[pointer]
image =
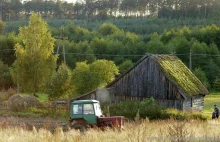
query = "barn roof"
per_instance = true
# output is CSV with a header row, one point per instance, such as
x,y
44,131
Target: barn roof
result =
x,y
176,71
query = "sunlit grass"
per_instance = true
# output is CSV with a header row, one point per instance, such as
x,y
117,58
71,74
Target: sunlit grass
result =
x,y
210,101
157,131
42,97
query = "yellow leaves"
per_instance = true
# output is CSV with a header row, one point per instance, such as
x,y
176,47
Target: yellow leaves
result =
x,y
35,60
87,77
105,69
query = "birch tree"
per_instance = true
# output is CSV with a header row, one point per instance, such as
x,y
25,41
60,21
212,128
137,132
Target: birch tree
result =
x,y
35,61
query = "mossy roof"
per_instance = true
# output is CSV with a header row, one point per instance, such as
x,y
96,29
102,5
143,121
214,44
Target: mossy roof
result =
x,y
181,75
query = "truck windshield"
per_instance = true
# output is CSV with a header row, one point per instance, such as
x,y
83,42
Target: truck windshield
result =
x,y
97,109
88,109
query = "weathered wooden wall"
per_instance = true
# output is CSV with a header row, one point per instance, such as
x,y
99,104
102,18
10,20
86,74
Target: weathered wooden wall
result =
x,y
144,80
198,103
147,80
195,103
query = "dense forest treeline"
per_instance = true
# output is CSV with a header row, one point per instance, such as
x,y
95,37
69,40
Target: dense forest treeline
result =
x,y
104,9
76,44
140,26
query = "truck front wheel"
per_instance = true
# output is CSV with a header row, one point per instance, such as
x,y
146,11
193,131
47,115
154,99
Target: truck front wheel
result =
x,y
82,127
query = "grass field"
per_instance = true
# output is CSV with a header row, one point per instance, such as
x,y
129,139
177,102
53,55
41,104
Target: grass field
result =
x,y
210,101
42,97
142,131
145,131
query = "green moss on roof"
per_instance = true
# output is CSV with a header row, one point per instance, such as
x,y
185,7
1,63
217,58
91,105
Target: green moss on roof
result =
x,y
181,75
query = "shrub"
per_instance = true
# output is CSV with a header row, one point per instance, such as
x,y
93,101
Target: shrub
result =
x,y
60,85
182,115
150,109
147,108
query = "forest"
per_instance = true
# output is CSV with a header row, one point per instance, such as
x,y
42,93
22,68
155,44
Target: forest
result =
x,y
85,46
105,9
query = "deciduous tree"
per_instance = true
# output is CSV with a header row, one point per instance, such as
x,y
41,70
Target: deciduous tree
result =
x,y
35,61
87,77
2,27
83,79
60,85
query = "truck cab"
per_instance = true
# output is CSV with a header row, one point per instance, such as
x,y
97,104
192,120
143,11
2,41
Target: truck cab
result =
x,y
88,112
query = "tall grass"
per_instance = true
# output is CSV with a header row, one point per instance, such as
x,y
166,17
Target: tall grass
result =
x,y
6,94
167,130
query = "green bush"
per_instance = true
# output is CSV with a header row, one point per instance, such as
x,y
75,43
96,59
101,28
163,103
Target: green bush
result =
x,y
150,109
147,108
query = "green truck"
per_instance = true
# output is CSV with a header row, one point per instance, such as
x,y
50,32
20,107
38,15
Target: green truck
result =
x,y
87,113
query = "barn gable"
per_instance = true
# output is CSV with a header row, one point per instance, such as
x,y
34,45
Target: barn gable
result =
x,y
163,77
161,72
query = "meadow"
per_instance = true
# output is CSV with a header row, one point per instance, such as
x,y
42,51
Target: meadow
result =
x,y
141,131
144,131
210,101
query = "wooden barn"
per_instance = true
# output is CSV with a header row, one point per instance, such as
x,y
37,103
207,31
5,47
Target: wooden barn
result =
x,y
163,77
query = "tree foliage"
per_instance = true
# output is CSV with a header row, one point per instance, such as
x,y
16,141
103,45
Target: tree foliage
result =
x,y
216,85
60,85
108,29
87,77
83,79
2,27
105,70
35,61
5,77
93,10
106,41
202,77
124,66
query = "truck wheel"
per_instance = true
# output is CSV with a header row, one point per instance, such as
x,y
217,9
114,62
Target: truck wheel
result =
x,y
82,127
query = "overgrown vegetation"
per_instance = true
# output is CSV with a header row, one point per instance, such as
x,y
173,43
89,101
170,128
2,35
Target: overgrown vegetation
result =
x,y
149,109
131,110
157,131
109,42
177,71
6,94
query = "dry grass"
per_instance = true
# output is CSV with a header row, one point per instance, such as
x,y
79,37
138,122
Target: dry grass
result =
x,y
158,131
6,94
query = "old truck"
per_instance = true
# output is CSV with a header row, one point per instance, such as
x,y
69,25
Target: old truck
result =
x,y
87,113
